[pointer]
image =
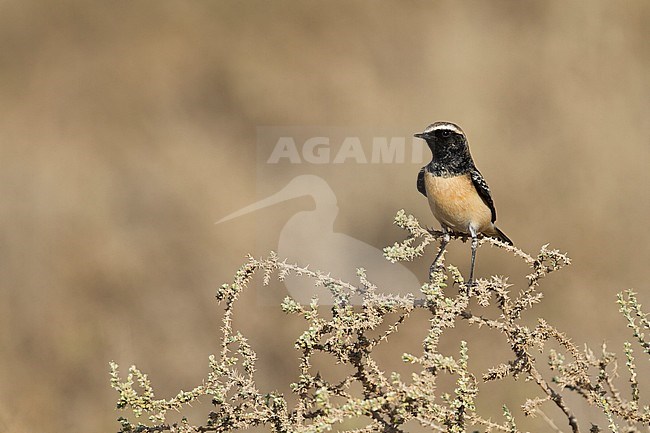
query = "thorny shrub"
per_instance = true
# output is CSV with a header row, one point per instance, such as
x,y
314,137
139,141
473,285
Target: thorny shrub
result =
x,y
388,401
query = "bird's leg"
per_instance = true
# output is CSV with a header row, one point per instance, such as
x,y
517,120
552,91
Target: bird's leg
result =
x,y
474,245
443,244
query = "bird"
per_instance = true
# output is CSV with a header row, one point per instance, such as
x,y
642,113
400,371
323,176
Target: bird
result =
x,y
458,195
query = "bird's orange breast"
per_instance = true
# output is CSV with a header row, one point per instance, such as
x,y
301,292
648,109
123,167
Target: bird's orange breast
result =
x,y
455,203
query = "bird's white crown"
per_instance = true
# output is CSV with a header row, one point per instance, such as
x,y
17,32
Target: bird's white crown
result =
x,y
447,126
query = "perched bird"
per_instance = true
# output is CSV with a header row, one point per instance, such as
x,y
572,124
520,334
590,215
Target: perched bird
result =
x,y
458,195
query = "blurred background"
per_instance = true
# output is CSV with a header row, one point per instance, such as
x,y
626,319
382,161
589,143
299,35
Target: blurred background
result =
x,y
127,129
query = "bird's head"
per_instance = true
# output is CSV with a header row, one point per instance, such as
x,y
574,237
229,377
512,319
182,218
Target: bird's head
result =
x,y
448,146
444,137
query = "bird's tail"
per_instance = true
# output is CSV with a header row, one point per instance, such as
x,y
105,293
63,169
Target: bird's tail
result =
x,y
501,236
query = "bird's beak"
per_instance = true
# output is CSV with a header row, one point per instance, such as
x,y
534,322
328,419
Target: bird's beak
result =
x,y
421,135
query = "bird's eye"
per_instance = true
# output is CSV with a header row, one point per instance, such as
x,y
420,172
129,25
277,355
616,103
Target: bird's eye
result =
x,y
445,134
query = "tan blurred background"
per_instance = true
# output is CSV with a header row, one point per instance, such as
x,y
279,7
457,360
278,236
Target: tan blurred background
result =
x,y
128,128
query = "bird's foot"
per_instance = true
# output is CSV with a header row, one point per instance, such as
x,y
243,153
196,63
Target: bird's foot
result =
x,y
434,268
469,286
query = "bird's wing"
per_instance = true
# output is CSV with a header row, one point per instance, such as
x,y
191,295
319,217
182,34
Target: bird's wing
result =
x,y
421,186
483,190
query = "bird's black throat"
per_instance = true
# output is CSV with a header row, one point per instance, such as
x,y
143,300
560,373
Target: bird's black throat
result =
x,y
449,160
